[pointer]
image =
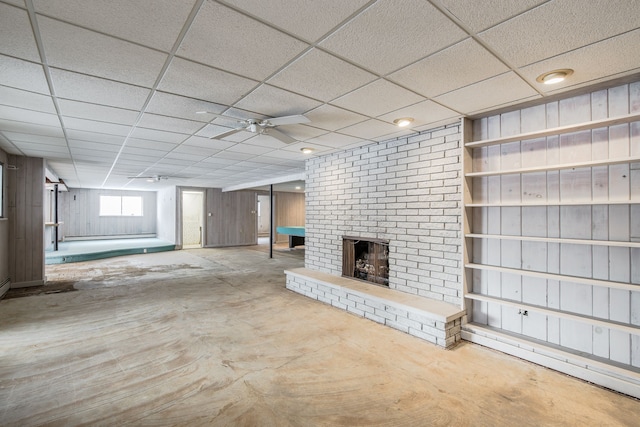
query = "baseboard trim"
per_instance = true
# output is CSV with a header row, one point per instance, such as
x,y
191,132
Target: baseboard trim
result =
x,y
27,284
602,374
4,288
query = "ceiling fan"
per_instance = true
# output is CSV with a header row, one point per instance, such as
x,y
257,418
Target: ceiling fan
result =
x,y
261,126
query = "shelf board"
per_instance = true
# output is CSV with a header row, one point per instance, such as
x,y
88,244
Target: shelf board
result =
x,y
609,324
559,277
557,130
576,165
557,240
542,204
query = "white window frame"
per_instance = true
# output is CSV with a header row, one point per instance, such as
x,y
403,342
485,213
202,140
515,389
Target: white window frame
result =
x,y
121,206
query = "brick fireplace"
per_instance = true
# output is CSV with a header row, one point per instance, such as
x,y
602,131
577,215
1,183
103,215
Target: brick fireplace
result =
x,y
404,193
366,260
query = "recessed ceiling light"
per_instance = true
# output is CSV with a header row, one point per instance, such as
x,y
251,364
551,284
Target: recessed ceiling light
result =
x,y
298,187
403,122
555,76
306,150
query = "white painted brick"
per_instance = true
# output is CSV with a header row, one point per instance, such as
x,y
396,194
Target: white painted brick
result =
x,y
356,311
423,335
374,317
396,325
385,314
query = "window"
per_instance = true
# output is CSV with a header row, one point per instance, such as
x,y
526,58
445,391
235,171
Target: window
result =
x,y
120,206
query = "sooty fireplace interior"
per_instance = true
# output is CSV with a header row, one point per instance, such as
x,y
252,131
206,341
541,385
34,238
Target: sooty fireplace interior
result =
x,y
366,259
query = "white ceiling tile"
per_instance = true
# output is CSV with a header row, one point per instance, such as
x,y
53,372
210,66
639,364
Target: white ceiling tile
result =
x,y
93,137
460,65
98,91
249,149
197,141
199,151
275,102
155,154
168,104
264,141
158,135
314,75
153,145
153,121
29,116
84,110
332,118
539,34
30,128
423,113
489,94
86,151
290,157
479,15
27,100
335,140
103,158
96,126
215,161
301,132
33,147
394,33
204,82
141,159
84,51
16,37
285,14
40,139
370,129
194,158
154,23
378,98
230,155
23,75
617,56
248,47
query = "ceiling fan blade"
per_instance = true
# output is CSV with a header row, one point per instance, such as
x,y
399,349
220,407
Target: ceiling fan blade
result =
x,y
279,135
227,133
288,120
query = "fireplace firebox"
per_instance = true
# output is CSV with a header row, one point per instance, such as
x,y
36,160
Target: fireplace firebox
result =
x,y
366,259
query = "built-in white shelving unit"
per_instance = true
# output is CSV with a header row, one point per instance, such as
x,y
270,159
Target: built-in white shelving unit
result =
x,y
551,226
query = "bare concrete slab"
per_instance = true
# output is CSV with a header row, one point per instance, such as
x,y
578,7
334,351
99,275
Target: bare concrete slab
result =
x,y
212,337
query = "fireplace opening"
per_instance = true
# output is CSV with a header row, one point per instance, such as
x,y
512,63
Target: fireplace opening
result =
x,y
366,259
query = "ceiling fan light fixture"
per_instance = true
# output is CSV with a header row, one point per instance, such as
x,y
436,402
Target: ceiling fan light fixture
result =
x,y
403,121
554,77
306,150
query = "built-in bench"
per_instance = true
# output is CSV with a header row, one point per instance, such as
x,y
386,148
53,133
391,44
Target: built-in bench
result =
x,y
434,321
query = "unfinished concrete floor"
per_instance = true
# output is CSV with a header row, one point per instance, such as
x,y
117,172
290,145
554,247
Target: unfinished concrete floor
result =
x,y
212,337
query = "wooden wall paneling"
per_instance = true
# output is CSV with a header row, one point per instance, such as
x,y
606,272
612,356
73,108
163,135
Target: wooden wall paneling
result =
x,y
233,218
634,139
289,211
574,110
618,100
81,214
26,216
533,119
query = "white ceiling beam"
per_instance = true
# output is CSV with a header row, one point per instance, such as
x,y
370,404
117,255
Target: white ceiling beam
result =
x,y
270,181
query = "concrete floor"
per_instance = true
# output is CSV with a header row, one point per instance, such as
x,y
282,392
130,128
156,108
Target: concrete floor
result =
x,y
212,337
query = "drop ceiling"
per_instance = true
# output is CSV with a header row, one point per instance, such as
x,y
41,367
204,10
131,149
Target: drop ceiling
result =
x,y
108,90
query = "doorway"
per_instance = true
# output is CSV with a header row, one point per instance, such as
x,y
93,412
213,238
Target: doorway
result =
x,y
192,219
264,211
